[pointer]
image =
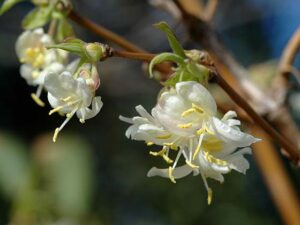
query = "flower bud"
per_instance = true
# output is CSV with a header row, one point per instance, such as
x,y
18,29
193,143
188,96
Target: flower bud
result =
x,y
94,51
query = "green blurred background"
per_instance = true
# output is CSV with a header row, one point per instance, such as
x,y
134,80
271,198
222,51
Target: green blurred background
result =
x,y
93,174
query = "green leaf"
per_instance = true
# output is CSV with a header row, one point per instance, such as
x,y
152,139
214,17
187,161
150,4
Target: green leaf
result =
x,y
190,72
38,17
75,48
7,5
174,43
164,57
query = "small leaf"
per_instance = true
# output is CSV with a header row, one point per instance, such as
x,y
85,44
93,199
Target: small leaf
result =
x,y
164,57
38,17
7,5
75,48
174,43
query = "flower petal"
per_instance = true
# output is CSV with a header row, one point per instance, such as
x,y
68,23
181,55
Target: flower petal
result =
x,y
178,172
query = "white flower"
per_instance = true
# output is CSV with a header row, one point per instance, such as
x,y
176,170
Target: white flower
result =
x,y
37,60
69,95
184,120
180,114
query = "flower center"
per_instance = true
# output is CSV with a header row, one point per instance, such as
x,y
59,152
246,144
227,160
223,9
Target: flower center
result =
x,y
35,57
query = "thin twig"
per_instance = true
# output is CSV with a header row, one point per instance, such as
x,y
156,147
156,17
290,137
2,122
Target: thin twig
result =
x,y
147,57
276,178
210,9
280,84
103,32
259,120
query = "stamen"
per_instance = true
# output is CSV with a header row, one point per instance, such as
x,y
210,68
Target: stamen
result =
x,y
57,130
149,143
37,100
190,164
197,150
164,136
210,158
205,129
66,99
208,189
162,154
188,112
177,158
197,108
55,134
171,145
185,126
172,178
55,110
82,120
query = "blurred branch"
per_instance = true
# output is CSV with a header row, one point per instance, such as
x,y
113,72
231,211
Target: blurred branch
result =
x,y
277,181
203,33
285,143
280,84
210,9
103,32
238,77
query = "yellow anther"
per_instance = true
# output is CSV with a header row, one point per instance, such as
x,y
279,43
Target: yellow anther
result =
x,y
197,108
188,112
190,164
164,136
34,56
197,150
55,134
205,129
55,110
149,143
69,115
209,196
167,159
162,154
171,145
172,178
191,110
66,99
185,126
39,61
37,100
35,74
82,120
214,160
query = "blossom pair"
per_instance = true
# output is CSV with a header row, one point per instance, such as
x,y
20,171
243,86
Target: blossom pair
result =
x,y
184,121
71,87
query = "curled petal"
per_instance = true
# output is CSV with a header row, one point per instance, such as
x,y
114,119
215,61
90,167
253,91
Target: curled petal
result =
x,y
177,173
229,134
87,113
197,94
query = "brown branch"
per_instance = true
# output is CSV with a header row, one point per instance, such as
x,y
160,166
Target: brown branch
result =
x,y
210,9
202,32
280,84
238,77
147,57
103,32
285,143
276,178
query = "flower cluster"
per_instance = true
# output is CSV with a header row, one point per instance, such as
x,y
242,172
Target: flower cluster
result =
x,y
70,86
185,121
